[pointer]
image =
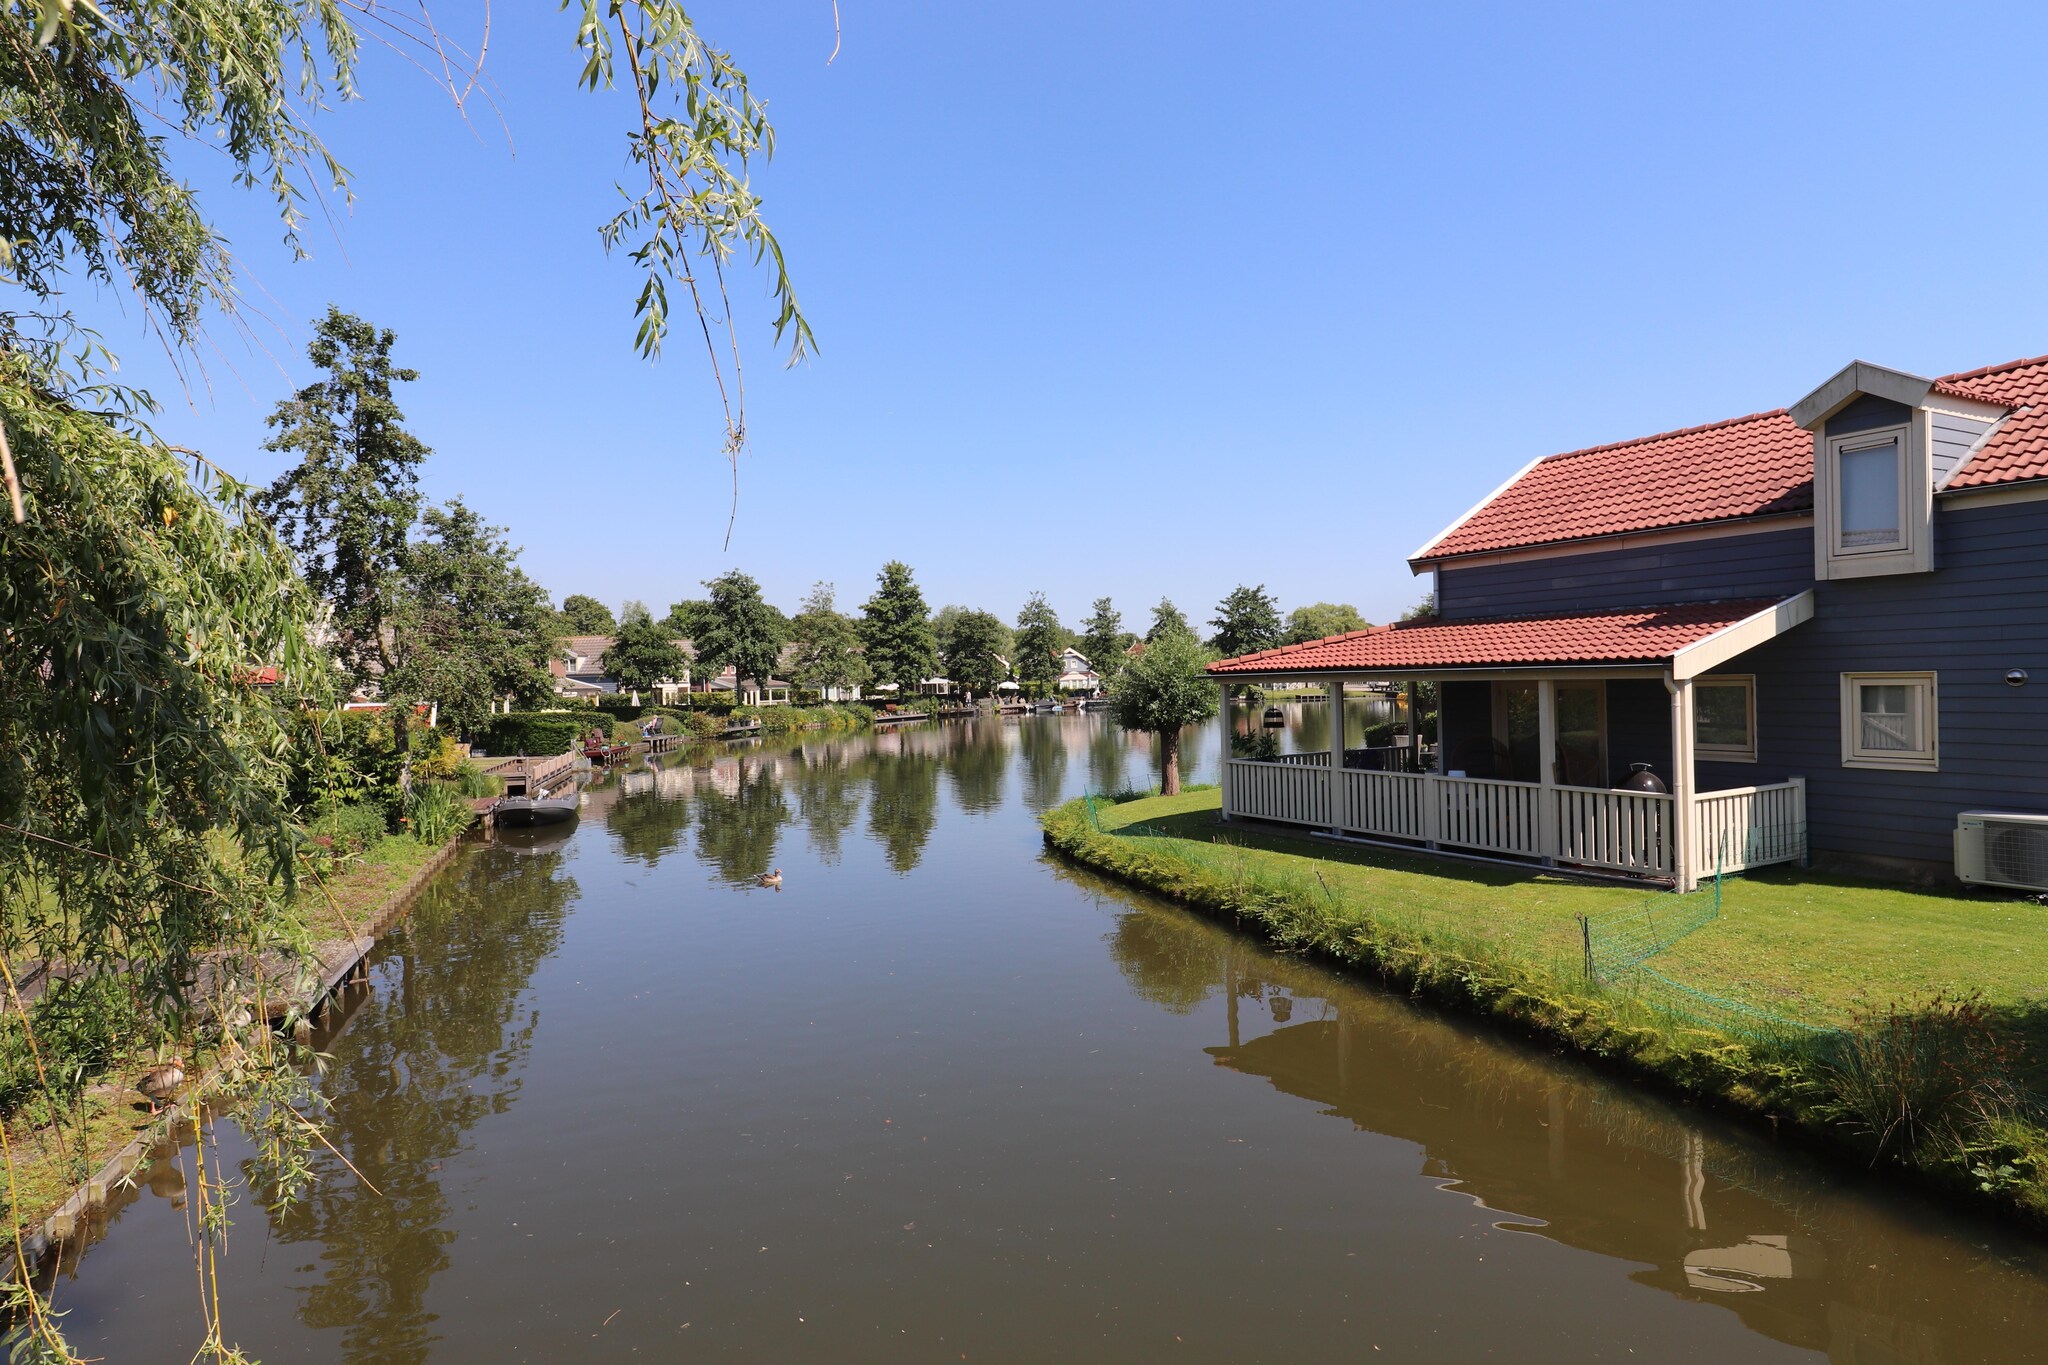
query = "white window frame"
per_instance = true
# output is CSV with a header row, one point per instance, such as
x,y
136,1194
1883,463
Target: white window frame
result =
x,y
1838,446
1925,759
1913,552
1726,753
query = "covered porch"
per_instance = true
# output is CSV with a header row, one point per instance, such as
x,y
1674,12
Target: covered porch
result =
x,y
1540,722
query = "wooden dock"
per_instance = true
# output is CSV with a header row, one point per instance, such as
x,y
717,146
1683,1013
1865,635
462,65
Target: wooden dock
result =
x,y
523,776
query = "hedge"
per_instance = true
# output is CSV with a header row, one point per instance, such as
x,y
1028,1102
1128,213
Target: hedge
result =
x,y
539,733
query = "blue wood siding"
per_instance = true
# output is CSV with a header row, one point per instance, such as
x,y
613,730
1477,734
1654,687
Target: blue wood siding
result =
x,y
1953,438
1867,413
1773,563
1984,611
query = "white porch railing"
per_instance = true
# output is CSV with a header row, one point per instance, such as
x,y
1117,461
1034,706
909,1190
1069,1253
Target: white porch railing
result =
x,y
1749,827
1293,792
1620,831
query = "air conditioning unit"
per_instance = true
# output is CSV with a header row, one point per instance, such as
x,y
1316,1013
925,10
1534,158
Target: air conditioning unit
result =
x,y
2003,848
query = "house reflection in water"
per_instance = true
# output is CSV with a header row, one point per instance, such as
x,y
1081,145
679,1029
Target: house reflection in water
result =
x,y
1711,1212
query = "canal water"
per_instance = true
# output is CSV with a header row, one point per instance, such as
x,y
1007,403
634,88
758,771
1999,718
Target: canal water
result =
x,y
941,1098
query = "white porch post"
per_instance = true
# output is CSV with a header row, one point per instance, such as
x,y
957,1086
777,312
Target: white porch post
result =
x,y
1684,857
1223,764
1335,690
1414,730
1547,841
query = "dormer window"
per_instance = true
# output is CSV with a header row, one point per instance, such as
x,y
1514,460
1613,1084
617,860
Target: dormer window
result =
x,y
1870,491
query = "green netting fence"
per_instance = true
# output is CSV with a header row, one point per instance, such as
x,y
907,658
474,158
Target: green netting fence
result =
x,y
1620,946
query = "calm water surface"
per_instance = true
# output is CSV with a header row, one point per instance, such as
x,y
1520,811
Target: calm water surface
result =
x,y
941,1099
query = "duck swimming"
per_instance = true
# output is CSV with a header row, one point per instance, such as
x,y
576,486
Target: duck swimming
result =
x,y
771,879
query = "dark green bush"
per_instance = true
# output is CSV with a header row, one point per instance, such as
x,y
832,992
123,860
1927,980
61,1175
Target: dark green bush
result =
x,y
540,733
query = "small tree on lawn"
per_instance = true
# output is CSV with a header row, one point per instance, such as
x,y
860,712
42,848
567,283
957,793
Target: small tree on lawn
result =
x,y
643,653
1162,691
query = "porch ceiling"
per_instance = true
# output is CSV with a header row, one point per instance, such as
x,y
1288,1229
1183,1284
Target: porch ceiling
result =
x,y
1686,640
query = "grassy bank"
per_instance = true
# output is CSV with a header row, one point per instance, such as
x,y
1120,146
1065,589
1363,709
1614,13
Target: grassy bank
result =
x,y
1898,1026
57,1139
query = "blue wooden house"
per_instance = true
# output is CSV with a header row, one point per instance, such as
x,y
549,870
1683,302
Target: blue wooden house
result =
x,y
1819,628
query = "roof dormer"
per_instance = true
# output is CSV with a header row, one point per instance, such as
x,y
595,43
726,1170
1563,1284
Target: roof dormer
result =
x,y
1883,442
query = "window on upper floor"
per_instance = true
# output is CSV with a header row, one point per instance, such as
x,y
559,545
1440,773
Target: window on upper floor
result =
x,y
1724,718
1889,721
1869,486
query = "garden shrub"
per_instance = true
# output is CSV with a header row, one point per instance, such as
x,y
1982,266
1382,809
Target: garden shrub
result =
x,y
538,733
352,827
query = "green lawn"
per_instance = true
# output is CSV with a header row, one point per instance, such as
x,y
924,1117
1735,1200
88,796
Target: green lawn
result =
x,y
1814,947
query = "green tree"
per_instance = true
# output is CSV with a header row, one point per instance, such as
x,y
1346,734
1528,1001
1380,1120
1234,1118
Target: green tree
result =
x,y
1425,607
684,618
643,653
348,506
469,626
1162,691
1102,639
896,629
1038,642
973,652
737,629
1247,621
1321,620
582,615
144,777
827,645
1167,619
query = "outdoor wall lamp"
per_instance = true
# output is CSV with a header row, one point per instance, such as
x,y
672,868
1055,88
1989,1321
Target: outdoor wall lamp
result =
x,y
2016,677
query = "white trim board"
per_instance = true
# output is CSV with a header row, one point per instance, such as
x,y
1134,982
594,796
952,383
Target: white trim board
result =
x,y
1743,636
1416,561
1630,540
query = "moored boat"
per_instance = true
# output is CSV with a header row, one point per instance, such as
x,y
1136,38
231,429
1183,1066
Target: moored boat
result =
x,y
520,812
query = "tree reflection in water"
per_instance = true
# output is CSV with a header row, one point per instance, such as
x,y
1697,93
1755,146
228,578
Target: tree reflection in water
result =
x,y
905,802
1108,752
828,792
1044,750
648,822
740,815
974,758
429,1058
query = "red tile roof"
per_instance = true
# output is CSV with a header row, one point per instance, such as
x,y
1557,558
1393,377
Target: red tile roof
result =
x,y
2019,448
1752,466
1640,635
1756,466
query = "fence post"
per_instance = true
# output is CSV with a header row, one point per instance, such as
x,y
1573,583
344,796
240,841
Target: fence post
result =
x,y
1586,938
1799,819
1223,767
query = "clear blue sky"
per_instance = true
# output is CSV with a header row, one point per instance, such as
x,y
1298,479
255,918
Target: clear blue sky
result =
x,y
1148,299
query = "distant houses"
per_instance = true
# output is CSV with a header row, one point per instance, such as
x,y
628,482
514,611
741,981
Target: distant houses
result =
x,y
579,671
1076,673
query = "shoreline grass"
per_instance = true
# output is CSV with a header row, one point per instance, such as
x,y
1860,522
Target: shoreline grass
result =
x,y
1927,1061
52,1158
